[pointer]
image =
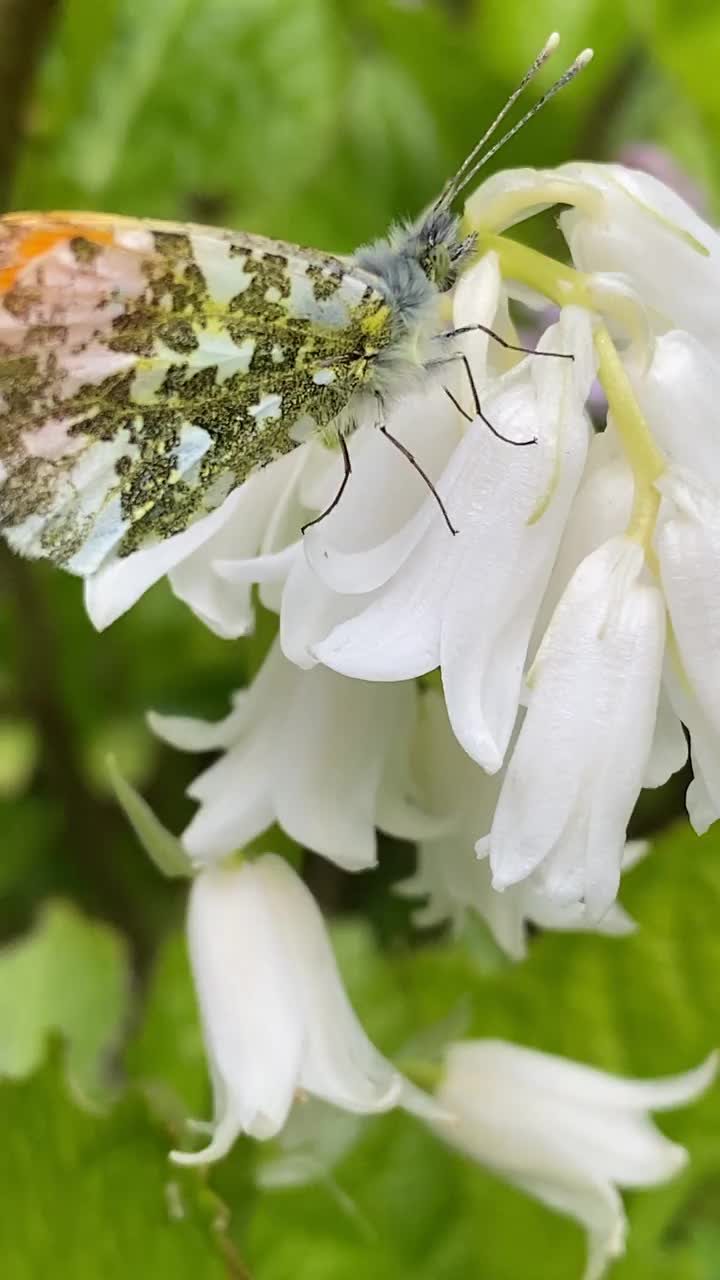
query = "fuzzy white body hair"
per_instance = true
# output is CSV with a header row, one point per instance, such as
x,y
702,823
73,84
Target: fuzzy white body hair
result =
x,y
398,265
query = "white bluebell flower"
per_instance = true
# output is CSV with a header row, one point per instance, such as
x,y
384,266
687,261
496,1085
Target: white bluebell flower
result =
x,y
326,758
275,1016
566,1133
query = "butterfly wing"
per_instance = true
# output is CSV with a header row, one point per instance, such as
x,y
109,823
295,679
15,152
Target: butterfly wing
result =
x,y
148,368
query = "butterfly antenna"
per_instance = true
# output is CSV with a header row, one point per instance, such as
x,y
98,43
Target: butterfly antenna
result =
x,y
471,165
576,67
456,182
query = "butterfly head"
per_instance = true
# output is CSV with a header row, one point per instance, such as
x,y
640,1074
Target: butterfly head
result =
x,y
439,247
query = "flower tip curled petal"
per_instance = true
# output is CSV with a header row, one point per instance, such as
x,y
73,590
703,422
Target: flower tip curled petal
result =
x,y
186,733
566,1133
701,810
360,572
224,1135
676,1091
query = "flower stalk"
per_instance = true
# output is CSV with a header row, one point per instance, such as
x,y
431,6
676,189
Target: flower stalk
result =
x,y
561,284
646,460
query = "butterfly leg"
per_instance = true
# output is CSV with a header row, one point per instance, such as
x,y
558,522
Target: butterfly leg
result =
x,y
398,444
347,472
459,355
509,346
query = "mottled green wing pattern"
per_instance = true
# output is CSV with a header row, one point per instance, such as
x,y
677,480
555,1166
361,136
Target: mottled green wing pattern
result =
x,y
146,369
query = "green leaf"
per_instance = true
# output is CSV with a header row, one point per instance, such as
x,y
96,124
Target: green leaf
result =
x,y
161,846
193,103
144,32
68,977
19,750
87,1196
166,1053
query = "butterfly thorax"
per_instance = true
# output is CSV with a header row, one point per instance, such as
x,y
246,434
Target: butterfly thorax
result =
x,y
414,266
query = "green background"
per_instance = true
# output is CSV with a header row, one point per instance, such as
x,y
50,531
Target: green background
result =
x,y
319,121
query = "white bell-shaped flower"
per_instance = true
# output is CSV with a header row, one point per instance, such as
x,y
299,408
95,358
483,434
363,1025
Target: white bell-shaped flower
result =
x,y
449,875
584,747
276,1019
325,757
620,223
333,572
565,1133
644,222
468,603
601,511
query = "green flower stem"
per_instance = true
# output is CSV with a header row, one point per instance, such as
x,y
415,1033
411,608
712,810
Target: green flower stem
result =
x,y
562,285
643,455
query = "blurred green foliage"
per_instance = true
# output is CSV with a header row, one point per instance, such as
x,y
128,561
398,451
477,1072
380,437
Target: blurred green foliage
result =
x,y
319,121
397,1204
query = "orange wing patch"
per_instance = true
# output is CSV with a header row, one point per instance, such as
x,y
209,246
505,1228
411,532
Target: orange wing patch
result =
x,y
30,236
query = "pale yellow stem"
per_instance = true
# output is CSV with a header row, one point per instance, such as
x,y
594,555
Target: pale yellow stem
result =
x,y
643,455
562,285
565,286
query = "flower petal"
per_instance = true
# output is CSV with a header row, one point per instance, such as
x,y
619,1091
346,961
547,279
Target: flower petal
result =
x,y
113,589
564,802
500,578
339,1063
688,546
679,396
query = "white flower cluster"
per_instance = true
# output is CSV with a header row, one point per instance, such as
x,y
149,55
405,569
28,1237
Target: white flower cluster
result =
x,y
500,696
573,619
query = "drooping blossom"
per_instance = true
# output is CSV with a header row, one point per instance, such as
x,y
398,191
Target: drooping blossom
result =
x,y
452,879
275,1016
326,758
566,1133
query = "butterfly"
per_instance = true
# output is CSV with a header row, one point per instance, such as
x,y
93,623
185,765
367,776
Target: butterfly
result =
x,y
148,368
